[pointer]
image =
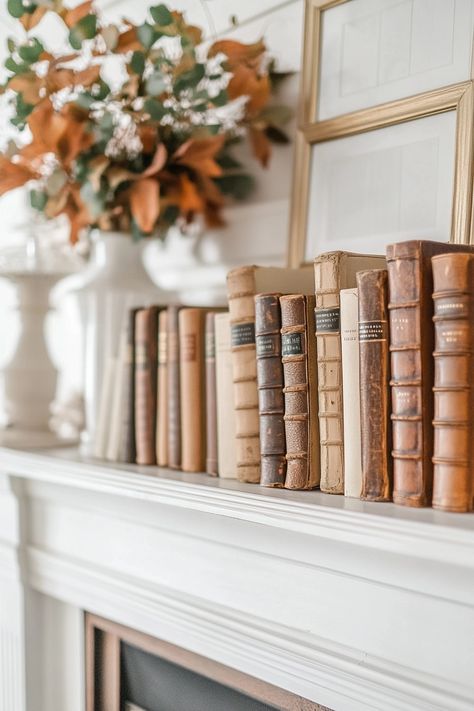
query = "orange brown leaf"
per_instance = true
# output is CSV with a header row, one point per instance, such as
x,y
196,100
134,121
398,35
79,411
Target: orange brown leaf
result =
x,y
145,203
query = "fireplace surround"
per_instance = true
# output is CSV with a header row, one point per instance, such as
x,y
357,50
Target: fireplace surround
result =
x,y
354,606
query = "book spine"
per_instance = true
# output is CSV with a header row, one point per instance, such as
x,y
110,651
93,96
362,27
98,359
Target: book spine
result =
x,y
453,458
374,363
351,399
226,431
270,390
328,339
145,384
193,414
211,396
300,391
174,401
241,293
127,447
162,407
412,401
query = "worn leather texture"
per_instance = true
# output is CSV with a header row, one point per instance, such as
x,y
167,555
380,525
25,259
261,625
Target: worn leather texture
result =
x,y
333,271
146,368
127,447
270,390
226,439
410,279
453,456
162,407
374,372
174,401
300,391
192,389
211,398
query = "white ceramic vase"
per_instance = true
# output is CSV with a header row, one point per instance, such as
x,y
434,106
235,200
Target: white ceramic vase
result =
x,y
114,282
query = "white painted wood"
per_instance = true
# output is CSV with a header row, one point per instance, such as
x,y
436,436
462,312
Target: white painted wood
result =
x,y
352,604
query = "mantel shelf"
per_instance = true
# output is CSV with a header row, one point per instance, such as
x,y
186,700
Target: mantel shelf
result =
x,y
423,533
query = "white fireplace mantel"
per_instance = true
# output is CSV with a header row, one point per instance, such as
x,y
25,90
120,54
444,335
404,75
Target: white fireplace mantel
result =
x,y
357,606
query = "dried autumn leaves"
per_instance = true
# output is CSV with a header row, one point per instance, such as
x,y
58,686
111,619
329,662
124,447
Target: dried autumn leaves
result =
x,y
152,153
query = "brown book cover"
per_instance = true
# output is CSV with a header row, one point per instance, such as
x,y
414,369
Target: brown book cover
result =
x,y
162,394
146,355
174,398
243,283
333,271
298,347
192,379
374,383
271,403
410,281
453,459
211,396
127,447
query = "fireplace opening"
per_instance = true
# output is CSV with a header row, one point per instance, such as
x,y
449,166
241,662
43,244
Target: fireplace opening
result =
x,y
130,671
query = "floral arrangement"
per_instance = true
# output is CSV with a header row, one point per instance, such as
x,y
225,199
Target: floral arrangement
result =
x,y
148,148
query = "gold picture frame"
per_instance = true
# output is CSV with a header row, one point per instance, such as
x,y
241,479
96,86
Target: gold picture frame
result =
x,y
457,97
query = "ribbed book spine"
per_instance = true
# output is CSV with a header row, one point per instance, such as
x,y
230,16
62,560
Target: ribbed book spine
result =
x,y
351,399
374,367
300,381
270,390
241,292
174,400
211,397
146,354
226,440
162,408
193,407
127,447
453,459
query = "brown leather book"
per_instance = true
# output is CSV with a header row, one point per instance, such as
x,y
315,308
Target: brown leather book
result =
x,y
211,396
410,280
298,347
127,448
271,403
192,385
453,459
174,399
162,395
333,271
146,357
243,284
374,380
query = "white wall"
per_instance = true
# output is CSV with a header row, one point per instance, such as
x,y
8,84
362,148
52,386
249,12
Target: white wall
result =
x,y
257,231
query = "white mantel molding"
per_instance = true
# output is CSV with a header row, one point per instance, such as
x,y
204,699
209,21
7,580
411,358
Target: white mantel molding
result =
x,y
354,605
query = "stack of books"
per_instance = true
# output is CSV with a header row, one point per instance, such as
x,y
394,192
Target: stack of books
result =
x,y
354,375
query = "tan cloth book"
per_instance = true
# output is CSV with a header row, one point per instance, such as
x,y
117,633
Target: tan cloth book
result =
x,y
162,395
351,393
243,284
333,271
226,439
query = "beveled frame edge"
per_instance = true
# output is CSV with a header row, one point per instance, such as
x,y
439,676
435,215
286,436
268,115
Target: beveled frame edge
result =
x,y
457,97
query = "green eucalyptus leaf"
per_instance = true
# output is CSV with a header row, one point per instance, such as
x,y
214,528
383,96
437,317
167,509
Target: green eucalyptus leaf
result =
x,y
190,79
31,52
238,186
221,99
138,62
11,45
15,8
155,84
16,68
228,162
155,109
38,200
85,29
56,181
95,201
100,90
161,15
85,100
147,35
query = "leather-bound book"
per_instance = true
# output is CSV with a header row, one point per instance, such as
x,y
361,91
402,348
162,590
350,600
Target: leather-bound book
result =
x,y
192,386
211,397
127,448
333,271
146,368
453,459
410,281
226,440
374,366
298,349
243,283
351,392
270,390
174,399
162,406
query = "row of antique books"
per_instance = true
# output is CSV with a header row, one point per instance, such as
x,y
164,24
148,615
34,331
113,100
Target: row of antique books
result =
x,y
354,375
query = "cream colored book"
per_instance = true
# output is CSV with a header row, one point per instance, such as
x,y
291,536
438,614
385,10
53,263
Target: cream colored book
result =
x,y
117,404
105,406
351,392
162,396
226,426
